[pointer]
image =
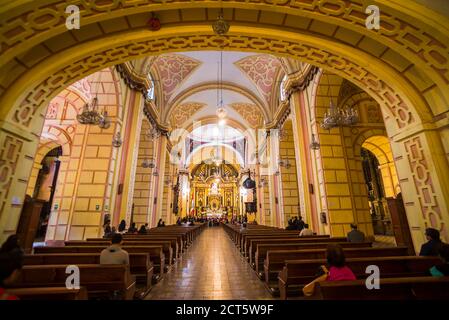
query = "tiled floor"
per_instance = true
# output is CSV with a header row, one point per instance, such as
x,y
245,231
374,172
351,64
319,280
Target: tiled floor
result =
x,y
212,268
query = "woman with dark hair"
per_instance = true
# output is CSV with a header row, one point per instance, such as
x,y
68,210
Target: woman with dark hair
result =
x,y
442,270
122,226
336,262
11,261
142,230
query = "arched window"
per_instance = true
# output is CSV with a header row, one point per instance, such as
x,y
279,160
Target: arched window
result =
x,y
283,95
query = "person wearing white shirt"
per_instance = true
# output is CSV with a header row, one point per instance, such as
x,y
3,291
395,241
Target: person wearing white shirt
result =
x,y
306,231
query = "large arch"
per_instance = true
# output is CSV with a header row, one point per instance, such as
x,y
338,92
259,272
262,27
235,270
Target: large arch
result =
x,y
410,88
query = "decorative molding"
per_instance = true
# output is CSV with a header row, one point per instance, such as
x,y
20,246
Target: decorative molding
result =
x,y
249,112
181,113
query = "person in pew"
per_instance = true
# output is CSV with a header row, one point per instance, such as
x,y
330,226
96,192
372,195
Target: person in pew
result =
x,y
122,226
299,223
433,244
142,230
160,223
336,269
306,231
290,226
442,270
11,263
179,222
147,228
107,229
355,235
133,228
114,254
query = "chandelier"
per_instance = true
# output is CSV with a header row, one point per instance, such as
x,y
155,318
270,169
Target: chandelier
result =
x,y
153,133
335,117
148,163
220,26
90,114
104,122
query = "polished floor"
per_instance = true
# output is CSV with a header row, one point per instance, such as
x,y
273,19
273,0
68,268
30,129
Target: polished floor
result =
x,y
211,269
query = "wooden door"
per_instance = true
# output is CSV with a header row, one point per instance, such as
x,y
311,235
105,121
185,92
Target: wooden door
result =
x,y
29,222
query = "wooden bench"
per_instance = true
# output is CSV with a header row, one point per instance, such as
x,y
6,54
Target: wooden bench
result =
x,y
49,293
248,240
275,259
255,242
404,288
156,254
297,273
99,280
262,249
140,264
166,246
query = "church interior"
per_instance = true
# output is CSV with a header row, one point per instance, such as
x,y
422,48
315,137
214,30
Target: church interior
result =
x,y
207,136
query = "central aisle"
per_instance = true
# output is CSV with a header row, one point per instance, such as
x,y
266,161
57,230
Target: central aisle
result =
x,y
212,268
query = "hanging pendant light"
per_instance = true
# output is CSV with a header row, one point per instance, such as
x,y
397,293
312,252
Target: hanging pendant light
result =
x,y
221,111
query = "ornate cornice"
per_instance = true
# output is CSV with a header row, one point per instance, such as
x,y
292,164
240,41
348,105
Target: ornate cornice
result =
x,y
300,80
132,79
141,84
294,84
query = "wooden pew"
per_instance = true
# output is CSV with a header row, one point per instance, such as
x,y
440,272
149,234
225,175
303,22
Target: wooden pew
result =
x,y
166,246
140,264
156,254
253,243
415,288
49,293
246,241
297,273
275,259
99,280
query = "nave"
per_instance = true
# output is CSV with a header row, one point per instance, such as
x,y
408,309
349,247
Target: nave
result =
x,y
212,268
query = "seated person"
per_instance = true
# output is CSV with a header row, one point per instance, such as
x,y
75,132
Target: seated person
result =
x,y
142,230
336,269
11,244
433,244
133,228
306,231
355,235
290,226
10,265
442,270
147,227
114,254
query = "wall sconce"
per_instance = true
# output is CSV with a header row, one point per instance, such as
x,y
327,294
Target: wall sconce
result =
x,y
284,163
148,163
